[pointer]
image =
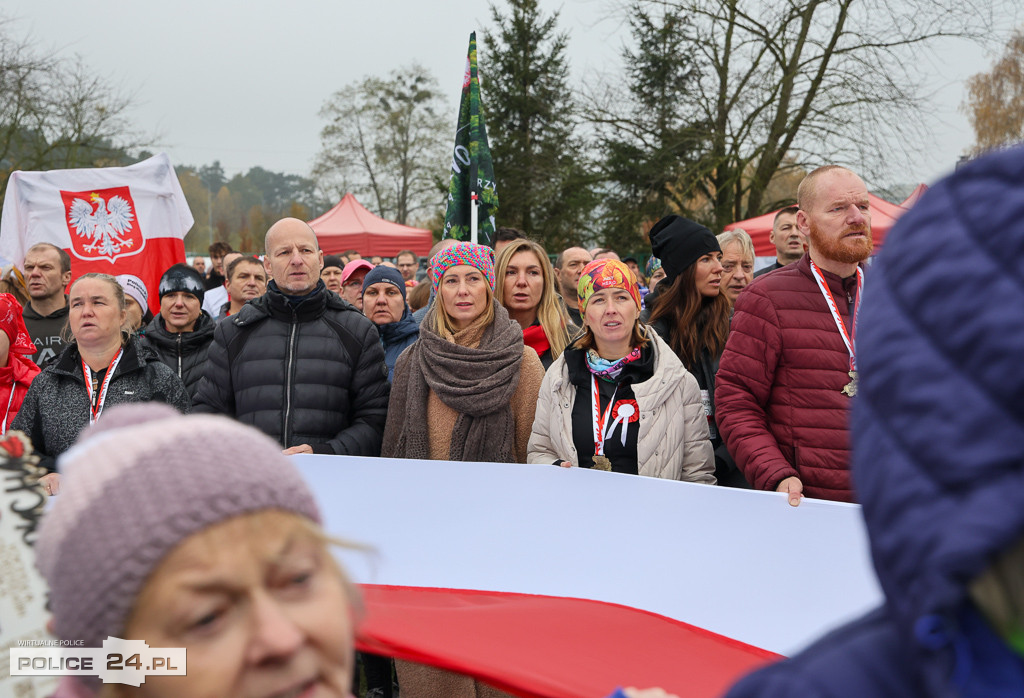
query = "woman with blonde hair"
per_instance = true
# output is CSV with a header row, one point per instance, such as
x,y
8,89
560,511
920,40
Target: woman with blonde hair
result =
x,y
526,287
465,391
104,365
618,398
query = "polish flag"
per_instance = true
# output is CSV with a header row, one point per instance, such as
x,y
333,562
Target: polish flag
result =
x,y
566,583
113,220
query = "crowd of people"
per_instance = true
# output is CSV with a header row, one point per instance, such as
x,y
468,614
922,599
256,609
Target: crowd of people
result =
x,y
689,366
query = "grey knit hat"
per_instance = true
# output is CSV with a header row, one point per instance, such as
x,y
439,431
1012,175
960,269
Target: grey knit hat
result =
x,y
136,484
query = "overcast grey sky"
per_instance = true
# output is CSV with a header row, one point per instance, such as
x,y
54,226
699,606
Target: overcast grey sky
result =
x,y
242,81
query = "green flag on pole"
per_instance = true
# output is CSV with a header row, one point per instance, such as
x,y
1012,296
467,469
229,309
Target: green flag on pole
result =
x,y
471,184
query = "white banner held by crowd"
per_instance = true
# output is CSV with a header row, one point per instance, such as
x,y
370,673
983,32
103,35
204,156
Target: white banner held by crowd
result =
x,y
740,563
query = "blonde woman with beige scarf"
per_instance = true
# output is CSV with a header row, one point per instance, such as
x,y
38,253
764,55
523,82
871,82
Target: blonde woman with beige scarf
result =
x,y
467,391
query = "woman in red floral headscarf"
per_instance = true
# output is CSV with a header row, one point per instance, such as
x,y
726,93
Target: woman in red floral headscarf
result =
x,y
618,398
15,348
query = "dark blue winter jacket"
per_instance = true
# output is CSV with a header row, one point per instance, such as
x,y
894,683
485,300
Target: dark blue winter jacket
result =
x,y
396,337
938,439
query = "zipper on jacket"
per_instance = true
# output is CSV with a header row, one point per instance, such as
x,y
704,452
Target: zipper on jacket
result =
x,y
288,381
179,357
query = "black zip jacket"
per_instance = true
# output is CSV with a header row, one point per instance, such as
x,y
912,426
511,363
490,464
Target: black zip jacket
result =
x,y
310,372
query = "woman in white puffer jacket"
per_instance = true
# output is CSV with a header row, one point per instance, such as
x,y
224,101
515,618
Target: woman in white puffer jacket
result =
x,y
618,398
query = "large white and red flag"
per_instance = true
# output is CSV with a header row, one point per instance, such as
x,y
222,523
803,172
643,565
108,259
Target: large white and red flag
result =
x,y
565,583
114,220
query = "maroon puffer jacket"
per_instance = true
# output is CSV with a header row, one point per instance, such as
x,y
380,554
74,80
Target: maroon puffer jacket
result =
x,y
780,405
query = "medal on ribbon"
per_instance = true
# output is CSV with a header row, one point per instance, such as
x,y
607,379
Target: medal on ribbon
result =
x,y
850,389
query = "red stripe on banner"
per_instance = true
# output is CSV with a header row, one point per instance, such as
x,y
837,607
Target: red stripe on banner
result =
x,y
549,646
156,257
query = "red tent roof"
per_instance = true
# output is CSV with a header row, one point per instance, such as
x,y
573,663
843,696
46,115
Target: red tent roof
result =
x,y
883,216
350,226
918,192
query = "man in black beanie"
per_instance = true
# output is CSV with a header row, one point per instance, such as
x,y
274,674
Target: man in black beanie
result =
x,y
181,333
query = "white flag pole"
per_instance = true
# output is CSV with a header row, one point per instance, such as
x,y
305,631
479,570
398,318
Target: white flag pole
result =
x,y
473,224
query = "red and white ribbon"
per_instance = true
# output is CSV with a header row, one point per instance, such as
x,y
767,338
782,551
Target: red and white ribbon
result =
x,y
848,338
96,404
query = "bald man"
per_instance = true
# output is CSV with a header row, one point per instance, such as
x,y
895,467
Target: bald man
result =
x,y
298,363
788,373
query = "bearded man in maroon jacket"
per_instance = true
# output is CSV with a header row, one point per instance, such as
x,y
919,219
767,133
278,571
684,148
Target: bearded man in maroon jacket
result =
x,y
788,372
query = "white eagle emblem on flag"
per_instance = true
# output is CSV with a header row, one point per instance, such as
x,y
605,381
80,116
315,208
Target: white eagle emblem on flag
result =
x,y
104,226
103,223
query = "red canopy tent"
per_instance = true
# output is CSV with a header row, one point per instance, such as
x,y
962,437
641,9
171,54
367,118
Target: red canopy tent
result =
x,y
883,217
350,226
918,192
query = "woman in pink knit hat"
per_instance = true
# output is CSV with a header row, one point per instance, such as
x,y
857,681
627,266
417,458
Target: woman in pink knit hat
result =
x,y
195,532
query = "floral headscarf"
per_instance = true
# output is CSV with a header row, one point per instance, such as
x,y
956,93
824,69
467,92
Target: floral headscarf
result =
x,y
606,273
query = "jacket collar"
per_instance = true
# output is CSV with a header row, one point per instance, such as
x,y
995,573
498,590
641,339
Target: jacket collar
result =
x,y
69,363
275,304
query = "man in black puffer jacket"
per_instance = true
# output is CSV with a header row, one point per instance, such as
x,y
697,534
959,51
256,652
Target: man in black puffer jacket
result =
x,y
182,332
299,363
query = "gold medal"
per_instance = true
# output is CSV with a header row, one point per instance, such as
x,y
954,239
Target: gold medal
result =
x,y
851,387
602,463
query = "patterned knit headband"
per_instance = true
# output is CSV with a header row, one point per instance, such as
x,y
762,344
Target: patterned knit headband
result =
x,y
477,256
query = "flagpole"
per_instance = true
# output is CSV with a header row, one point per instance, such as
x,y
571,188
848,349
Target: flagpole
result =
x,y
473,222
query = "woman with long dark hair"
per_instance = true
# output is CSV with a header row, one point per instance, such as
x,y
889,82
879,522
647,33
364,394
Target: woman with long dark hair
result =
x,y
689,311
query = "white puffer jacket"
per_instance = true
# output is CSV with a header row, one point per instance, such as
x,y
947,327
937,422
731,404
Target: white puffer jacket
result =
x,y
673,442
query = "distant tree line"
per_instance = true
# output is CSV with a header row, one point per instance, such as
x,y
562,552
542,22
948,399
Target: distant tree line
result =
x,y
715,113
240,209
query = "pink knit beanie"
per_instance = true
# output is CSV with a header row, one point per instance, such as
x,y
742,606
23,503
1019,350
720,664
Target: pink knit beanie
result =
x,y
135,485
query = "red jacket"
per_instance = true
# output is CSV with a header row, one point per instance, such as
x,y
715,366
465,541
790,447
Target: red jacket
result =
x,y
15,378
780,405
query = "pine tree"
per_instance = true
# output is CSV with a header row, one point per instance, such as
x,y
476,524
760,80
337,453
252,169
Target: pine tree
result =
x,y
544,184
649,143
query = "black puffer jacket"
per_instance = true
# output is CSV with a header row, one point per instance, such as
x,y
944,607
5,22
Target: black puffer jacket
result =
x,y
310,373
183,352
56,407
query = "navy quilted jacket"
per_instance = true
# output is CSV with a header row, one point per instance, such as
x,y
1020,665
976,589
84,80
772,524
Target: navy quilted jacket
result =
x,y
938,448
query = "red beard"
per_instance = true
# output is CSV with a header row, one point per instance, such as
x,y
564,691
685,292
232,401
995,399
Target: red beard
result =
x,y
842,249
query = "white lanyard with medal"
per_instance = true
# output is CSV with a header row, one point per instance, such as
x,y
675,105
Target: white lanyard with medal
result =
x,y
850,388
602,424
96,403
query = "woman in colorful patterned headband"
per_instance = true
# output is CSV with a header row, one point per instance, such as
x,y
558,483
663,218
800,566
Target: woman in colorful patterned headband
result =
x,y
465,391
618,398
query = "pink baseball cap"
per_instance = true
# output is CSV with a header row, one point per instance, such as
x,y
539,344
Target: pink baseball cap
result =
x,y
352,267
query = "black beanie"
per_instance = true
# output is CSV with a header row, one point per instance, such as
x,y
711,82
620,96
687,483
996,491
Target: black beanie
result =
x,y
333,260
679,242
182,277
